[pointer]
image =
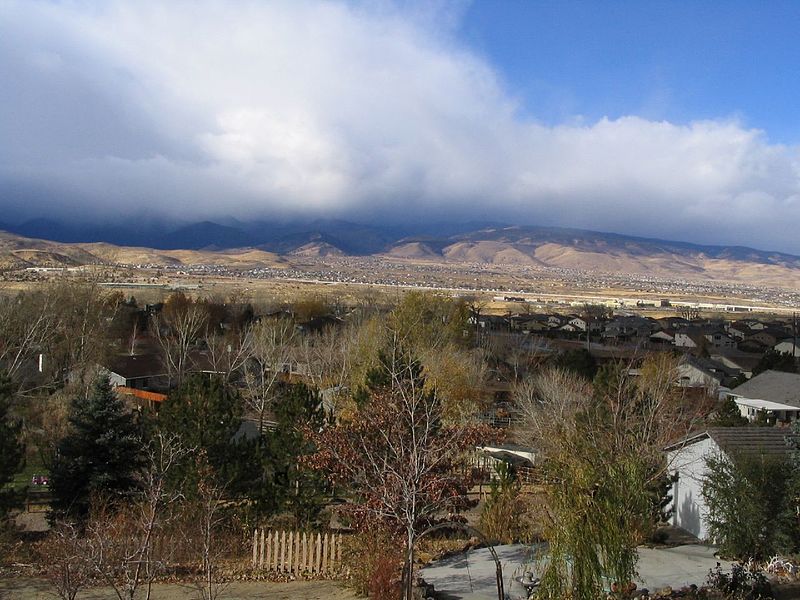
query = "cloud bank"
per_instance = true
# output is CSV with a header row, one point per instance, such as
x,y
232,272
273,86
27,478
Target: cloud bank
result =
x,y
190,110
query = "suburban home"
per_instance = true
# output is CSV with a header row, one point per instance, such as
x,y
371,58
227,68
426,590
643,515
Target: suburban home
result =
x,y
664,336
629,327
773,392
137,371
578,323
738,331
738,362
686,460
710,337
788,346
698,373
768,337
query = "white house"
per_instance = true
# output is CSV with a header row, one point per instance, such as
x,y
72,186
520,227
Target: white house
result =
x,y
775,392
695,373
787,347
687,458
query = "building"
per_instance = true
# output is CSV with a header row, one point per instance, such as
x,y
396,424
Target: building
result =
x,y
686,460
773,392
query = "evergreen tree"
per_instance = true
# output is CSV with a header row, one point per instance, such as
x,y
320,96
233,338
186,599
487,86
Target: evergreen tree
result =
x,y
300,406
101,455
729,415
207,414
580,362
775,361
12,450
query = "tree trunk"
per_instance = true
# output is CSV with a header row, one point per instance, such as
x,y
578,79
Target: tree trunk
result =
x,y
409,566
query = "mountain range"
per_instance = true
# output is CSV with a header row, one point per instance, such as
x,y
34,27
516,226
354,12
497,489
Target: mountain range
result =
x,y
260,243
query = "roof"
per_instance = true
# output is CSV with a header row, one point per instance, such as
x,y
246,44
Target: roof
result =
x,y
766,405
775,386
141,394
136,365
742,440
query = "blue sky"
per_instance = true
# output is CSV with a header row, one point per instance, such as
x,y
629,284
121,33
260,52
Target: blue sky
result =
x,y
662,119
677,61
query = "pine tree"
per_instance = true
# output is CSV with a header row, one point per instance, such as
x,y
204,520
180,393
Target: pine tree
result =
x,y
12,450
729,415
99,457
207,414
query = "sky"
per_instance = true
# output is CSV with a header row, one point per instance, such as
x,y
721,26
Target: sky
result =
x,y
675,120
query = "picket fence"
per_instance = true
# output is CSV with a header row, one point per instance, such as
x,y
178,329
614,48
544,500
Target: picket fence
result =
x,y
297,552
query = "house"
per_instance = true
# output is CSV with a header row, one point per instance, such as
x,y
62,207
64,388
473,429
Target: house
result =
x,y
627,327
686,460
708,337
738,331
719,339
578,323
773,392
738,362
137,371
788,346
687,339
767,337
663,336
698,373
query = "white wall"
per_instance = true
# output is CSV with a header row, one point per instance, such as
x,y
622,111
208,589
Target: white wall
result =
x,y
687,498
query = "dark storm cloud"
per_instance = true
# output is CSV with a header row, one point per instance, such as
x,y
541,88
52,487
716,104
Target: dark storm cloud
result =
x,y
250,109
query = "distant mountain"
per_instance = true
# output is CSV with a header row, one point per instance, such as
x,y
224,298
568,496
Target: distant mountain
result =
x,y
262,242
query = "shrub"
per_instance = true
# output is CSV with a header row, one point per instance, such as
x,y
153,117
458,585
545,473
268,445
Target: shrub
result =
x,y
374,560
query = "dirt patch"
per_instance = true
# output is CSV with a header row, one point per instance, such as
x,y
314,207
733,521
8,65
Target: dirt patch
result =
x,y
34,589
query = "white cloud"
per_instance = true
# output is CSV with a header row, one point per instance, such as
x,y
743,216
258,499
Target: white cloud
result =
x,y
252,108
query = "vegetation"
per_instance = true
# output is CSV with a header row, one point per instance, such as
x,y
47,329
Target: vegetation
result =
x,y
403,464
753,502
277,416
12,450
601,458
99,458
729,415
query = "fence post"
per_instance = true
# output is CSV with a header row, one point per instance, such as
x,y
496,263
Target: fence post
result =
x,y
290,561
255,547
317,553
275,555
267,544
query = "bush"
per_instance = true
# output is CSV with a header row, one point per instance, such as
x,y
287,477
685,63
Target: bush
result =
x,y
505,515
750,512
374,560
743,582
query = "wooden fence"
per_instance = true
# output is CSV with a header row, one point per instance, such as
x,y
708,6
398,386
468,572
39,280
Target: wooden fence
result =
x,y
297,552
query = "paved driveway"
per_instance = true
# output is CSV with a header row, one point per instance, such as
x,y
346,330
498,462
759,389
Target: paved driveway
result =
x,y
472,575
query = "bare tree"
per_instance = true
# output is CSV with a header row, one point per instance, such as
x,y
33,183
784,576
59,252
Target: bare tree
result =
x,y
228,353
27,329
121,542
208,520
65,556
270,345
177,329
403,463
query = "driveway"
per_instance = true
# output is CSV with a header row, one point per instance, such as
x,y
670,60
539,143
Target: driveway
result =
x,y
472,575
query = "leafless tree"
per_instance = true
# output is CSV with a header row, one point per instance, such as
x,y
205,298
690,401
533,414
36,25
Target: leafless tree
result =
x,y
27,329
269,348
65,557
208,519
122,542
177,330
325,358
403,463
229,353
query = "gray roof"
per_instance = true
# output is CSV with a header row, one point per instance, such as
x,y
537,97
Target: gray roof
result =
x,y
743,440
775,386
